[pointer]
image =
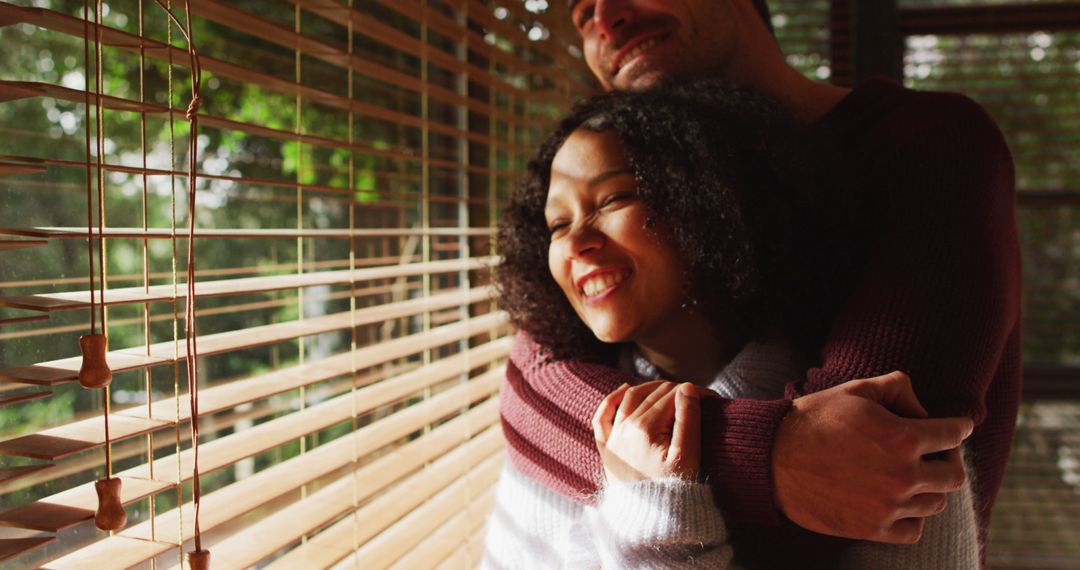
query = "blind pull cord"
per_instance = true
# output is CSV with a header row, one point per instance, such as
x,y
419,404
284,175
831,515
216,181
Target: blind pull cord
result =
x,y
94,372
198,559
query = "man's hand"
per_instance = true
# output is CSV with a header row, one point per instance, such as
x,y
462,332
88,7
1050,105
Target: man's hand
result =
x,y
845,465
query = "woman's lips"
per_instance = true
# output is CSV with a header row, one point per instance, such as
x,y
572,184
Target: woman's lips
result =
x,y
597,287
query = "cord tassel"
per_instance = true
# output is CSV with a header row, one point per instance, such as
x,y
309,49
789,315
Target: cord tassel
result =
x,y
199,559
94,372
110,513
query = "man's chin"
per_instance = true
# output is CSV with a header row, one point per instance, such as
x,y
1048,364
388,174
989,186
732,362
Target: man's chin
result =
x,y
640,81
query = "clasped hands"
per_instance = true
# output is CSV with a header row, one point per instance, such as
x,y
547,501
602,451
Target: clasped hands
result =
x,y
650,431
860,460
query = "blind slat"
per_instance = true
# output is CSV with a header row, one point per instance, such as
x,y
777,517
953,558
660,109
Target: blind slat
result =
x,y
232,501
467,555
11,547
83,435
380,32
116,38
10,399
353,156
437,163
326,548
68,508
242,286
61,441
67,369
165,233
416,527
453,533
9,473
21,244
287,525
77,504
271,32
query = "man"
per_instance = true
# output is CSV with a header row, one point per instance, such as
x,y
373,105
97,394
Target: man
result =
x,y
939,299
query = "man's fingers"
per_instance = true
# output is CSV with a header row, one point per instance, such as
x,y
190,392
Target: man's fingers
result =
x,y
942,475
939,434
894,391
605,414
685,448
904,531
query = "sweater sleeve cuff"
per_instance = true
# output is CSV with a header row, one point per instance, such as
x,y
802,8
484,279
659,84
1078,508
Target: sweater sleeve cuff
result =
x,y
736,450
661,511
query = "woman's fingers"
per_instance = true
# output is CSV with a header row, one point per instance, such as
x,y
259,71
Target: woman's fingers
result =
x,y
605,414
648,407
633,398
684,453
652,430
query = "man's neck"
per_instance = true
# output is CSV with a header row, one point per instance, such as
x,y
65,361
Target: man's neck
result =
x,y
809,100
759,64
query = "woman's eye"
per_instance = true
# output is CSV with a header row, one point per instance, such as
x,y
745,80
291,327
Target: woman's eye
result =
x,y
556,227
616,198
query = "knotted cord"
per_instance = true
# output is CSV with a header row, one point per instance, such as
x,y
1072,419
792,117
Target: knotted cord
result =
x,y
97,303
89,176
100,88
191,341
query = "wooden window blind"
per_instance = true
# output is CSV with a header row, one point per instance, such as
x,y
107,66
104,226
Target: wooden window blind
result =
x,y
1030,83
1021,61
351,158
804,30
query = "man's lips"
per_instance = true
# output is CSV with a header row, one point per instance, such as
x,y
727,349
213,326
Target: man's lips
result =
x,y
635,47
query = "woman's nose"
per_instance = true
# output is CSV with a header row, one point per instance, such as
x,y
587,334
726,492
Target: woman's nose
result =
x,y
586,239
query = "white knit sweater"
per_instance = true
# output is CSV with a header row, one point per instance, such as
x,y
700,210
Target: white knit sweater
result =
x,y
673,523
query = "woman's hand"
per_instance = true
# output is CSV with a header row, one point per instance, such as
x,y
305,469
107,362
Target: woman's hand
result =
x,y
650,431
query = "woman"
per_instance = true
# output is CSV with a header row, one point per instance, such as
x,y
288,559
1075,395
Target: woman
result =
x,y
682,233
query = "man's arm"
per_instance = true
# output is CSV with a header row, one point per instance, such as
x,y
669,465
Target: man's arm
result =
x,y
878,466
950,541
939,300
547,407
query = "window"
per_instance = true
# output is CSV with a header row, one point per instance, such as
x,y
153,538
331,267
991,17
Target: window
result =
x,y
352,157
1021,61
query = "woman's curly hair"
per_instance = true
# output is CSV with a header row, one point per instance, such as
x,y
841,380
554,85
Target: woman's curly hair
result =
x,y
745,193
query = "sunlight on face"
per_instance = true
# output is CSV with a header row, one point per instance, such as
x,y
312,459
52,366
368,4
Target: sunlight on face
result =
x,y
633,44
623,280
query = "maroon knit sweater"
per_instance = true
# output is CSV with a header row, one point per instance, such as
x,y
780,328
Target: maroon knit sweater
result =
x,y
939,299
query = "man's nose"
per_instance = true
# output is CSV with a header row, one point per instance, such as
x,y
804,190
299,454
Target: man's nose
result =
x,y
612,15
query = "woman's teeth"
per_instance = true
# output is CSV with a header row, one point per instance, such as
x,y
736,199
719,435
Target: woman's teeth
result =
x,y
638,50
596,285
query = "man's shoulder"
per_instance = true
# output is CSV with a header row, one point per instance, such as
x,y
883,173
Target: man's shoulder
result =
x,y
881,113
887,104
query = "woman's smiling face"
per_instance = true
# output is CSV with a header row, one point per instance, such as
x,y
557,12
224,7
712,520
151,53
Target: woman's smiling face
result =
x,y
623,280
